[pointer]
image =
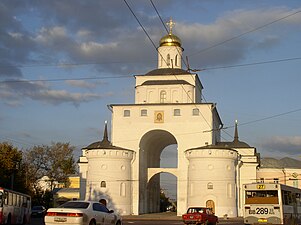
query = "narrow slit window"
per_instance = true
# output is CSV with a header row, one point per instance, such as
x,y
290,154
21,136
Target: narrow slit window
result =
x,y
143,112
126,113
177,112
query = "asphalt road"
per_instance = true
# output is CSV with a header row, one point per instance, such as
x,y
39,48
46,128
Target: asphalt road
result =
x,y
154,220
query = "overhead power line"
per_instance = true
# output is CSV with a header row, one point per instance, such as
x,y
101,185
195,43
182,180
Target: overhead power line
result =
x,y
128,76
64,79
242,34
140,24
265,118
252,64
159,16
168,32
175,75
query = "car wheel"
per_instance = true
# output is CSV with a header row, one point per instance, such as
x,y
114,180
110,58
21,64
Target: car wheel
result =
x,y
92,222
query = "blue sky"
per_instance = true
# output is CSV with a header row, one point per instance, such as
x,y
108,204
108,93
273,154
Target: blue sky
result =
x,y
63,61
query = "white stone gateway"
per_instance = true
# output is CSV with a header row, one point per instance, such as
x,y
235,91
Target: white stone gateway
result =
x,y
168,110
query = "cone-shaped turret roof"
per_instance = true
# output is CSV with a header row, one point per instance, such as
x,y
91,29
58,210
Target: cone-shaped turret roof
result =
x,y
105,143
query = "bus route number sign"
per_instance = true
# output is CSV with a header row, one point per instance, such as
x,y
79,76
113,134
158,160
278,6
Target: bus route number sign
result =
x,y
260,186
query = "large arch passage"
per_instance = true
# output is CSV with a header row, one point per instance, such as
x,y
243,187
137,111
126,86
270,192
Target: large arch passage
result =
x,y
156,201
151,146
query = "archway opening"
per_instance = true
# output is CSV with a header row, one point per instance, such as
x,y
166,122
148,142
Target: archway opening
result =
x,y
167,198
158,152
168,182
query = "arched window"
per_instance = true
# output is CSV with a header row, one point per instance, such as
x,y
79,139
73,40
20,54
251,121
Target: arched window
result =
x,y
195,112
168,60
176,60
103,184
162,96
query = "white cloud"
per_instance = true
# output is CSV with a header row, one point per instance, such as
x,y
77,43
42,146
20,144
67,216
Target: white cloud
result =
x,y
99,35
62,96
288,145
12,93
81,84
235,33
51,35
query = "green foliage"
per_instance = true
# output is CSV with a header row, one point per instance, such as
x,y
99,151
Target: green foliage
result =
x,y
55,161
61,162
22,171
11,167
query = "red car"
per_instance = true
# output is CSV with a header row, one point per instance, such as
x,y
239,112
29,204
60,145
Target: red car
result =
x,y
199,215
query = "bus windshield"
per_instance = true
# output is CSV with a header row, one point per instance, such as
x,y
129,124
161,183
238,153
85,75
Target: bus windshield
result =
x,y
261,197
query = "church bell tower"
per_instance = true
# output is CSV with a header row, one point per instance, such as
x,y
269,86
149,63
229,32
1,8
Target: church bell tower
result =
x,y
170,50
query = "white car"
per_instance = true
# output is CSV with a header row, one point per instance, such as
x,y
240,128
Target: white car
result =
x,y
82,213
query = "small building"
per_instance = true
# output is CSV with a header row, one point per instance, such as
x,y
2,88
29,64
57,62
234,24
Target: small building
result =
x,y
285,171
63,194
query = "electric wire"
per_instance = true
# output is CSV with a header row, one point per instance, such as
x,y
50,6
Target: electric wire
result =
x,y
130,76
265,118
65,79
167,31
162,56
249,64
159,15
247,32
226,40
140,24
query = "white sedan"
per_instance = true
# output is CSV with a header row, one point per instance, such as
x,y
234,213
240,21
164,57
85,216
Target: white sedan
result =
x,y
82,213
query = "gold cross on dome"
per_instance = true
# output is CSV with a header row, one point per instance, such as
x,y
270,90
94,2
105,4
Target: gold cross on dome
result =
x,y
170,24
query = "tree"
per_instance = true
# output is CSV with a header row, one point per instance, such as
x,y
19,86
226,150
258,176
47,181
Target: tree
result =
x,y
61,162
36,165
11,167
55,161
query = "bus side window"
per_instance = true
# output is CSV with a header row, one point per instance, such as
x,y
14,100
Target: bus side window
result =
x,y
10,198
24,205
28,203
1,199
298,199
287,198
5,198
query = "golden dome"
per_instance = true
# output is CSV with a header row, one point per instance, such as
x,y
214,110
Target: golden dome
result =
x,y
170,40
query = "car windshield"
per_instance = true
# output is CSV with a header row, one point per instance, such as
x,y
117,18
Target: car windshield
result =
x,y
196,210
75,205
